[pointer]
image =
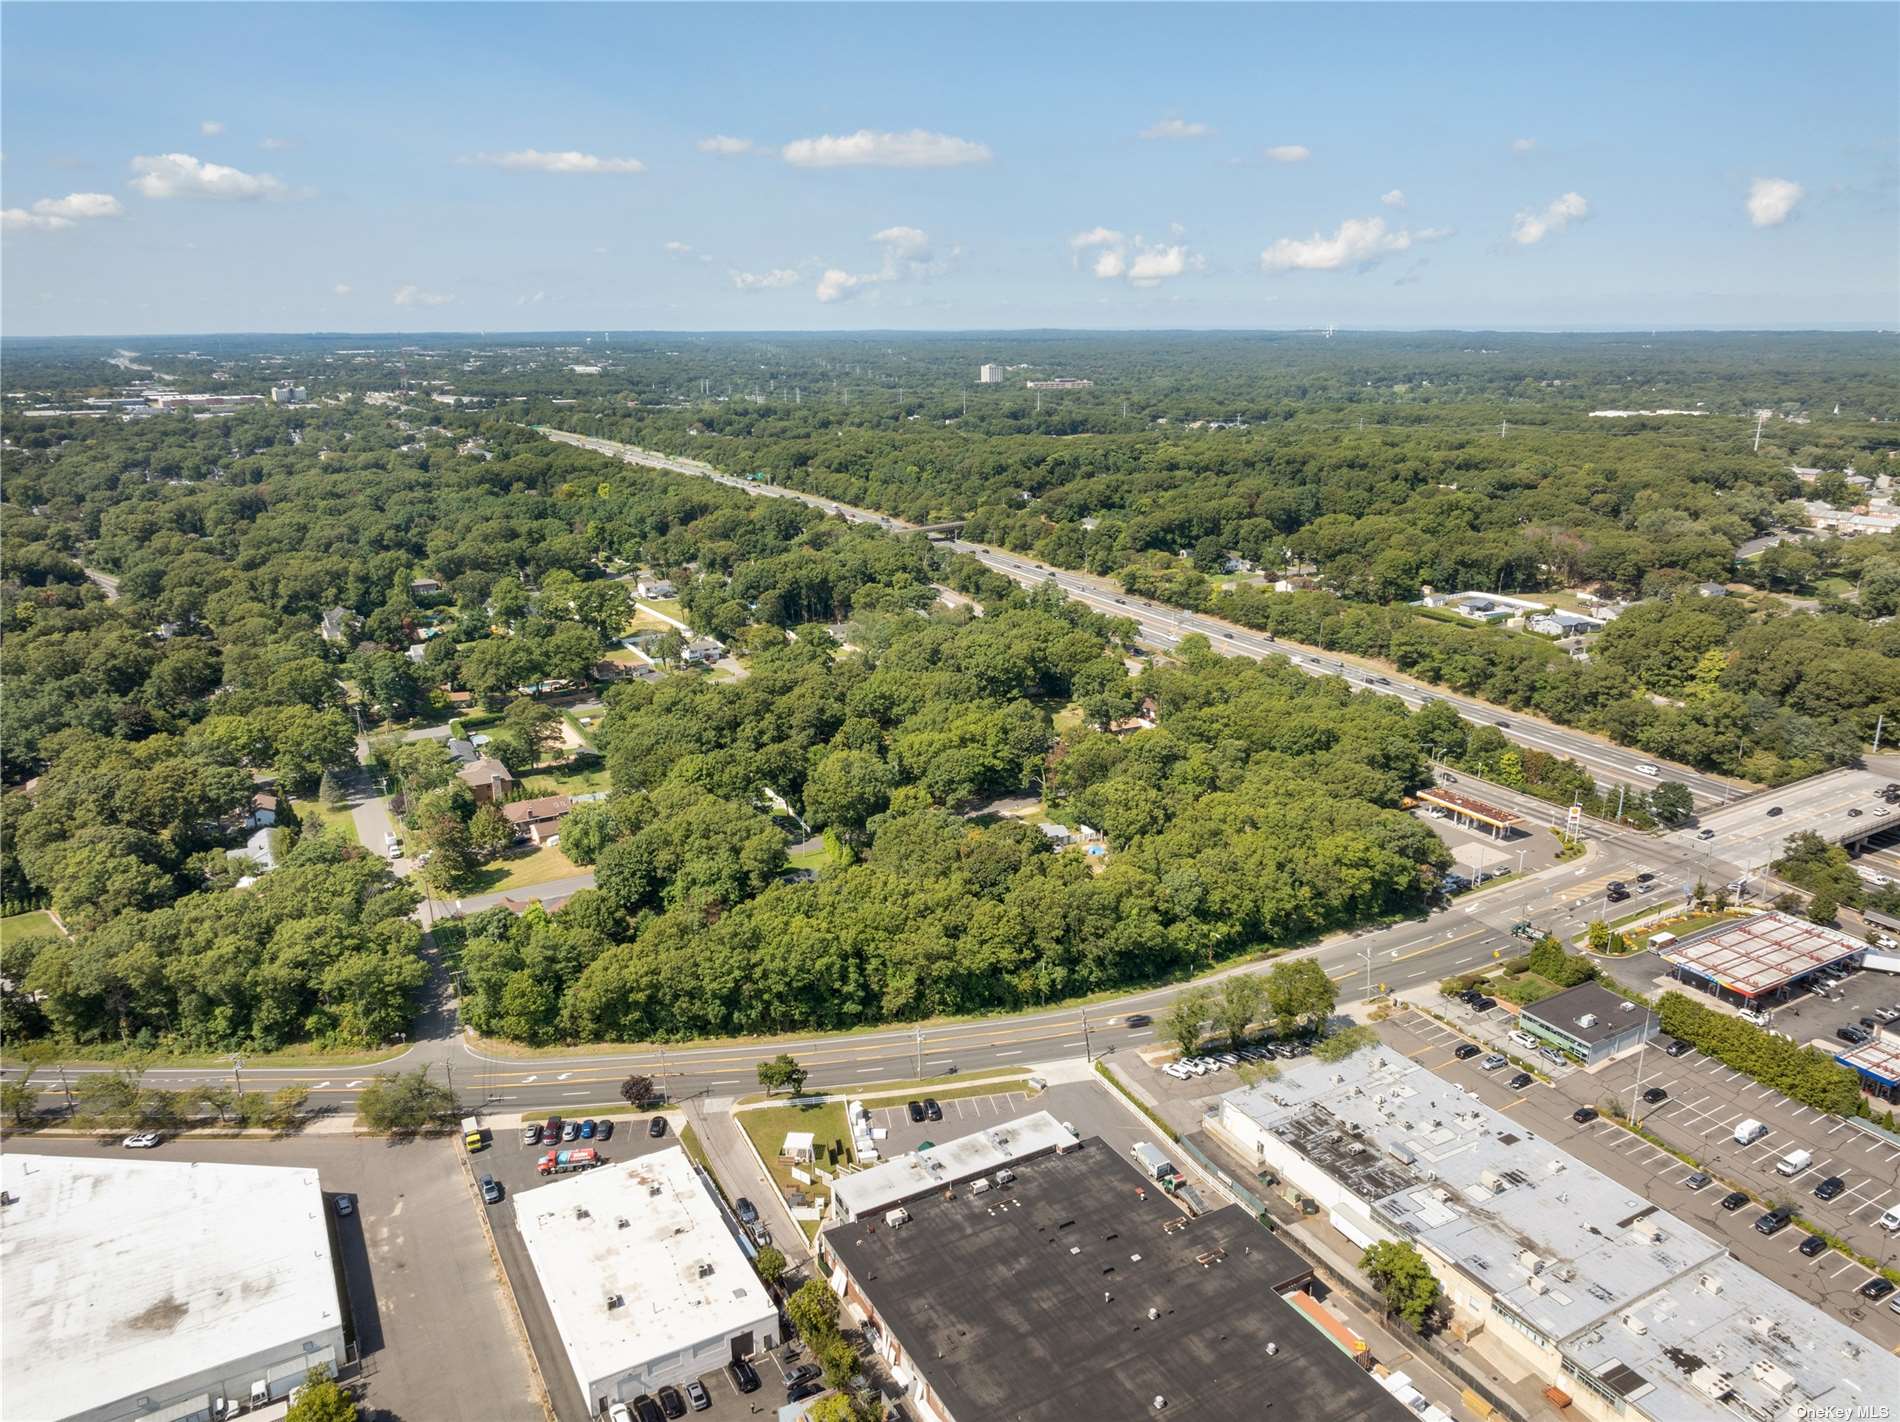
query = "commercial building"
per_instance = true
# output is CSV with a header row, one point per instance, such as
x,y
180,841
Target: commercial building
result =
x,y
1549,1266
1767,956
1068,1289
911,1176
644,1276
1590,1022
989,375
1877,1063
157,1290
284,393
1066,382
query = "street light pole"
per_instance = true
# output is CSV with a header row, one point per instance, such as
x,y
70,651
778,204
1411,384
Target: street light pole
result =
x,y
1087,1053
237,1071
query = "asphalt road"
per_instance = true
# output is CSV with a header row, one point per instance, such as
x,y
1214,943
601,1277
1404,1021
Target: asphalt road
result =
x,y
1166,626
1838,805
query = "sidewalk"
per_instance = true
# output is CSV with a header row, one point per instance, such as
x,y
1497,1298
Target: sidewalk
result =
x,y
733,1162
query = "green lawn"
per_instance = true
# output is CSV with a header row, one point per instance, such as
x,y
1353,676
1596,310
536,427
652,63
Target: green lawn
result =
x,y
667,606
520,868
565,780
1069,719
38,924
817,859
316,819
768,1126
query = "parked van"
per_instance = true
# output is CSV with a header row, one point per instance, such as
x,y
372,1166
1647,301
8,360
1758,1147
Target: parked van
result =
x,y
1525,1040
1794,1162
1749,1131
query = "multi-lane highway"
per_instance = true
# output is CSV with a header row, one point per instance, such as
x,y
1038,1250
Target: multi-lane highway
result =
x,y
1165,626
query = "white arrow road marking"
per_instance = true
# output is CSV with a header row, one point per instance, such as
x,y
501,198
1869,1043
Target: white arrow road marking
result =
x,y
319,1086
529,1079
357,1082
564,1076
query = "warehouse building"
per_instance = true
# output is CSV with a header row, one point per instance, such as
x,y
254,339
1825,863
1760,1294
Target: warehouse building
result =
x,y
160,1290
1590,1022
1066,1288
1549,1266
644,1277
922,1172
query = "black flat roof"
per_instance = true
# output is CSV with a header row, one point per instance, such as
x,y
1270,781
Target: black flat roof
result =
x,y
1562,1011
1032,1302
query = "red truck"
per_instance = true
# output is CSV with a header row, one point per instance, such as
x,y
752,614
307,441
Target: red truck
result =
x,y
559,1162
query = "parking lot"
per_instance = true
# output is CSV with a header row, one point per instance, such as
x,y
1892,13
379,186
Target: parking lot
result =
x,y
1492,1031
430,1320
961,1116
1830,1279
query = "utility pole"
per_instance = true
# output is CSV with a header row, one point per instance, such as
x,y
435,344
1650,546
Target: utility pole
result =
x,y
1087,1055
237,1071
1642,1056
1879,721
1619,804
1760,420
63,1086
918,1037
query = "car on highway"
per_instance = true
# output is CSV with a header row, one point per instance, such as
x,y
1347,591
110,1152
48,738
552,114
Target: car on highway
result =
x,y
1467,1050
491,1191
1655,1095
1696,1180
932,1111
1876,1288
1584,1115
1829,1188
1522,1080
1647,769
141,1140
1814,1244
1645,877
744,1376
1505,724
1775,1221
531,1134
1774,811
696,1394
1137,1019
1705,834
1854,812
1734,1200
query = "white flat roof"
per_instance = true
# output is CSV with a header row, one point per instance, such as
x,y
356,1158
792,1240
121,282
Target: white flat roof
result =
x,y
648,1232
123,1275
1756,955
907,1176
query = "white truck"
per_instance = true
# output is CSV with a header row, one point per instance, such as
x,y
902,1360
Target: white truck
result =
x,y
1749,1131
1153,1163
1794,1162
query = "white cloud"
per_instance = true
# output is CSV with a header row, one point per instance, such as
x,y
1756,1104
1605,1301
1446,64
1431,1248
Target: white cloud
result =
x,y
722,144
1142,262
413,295
1771,201
835,285
1360,242
1290,153
532,160
531,300
1530,226
679,249
1176,128
918,148
765,281
1521,146
173,175
903,243
1395,198
211,128
274,145
51,214
342,288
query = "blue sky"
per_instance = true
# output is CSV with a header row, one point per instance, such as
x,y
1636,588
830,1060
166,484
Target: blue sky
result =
x,y
177,168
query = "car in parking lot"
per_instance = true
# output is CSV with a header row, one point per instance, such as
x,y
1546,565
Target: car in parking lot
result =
x,y
744,1376
671,1403
619,1412
1551,1054
1886,1015
696,1394
491,1191
1654,1095
1696,1180
1829,1188
1734,1200
656,1128
571,1131
606,1131
647,1410
932,1111
1677,1048
803,1373
551,1130
803,1391
916,1110
1876,1288
1493,1062
1467,1050
1522,1080
588,1127
1584,1115
1854,1035
1484,1004
1774,1221
1814,1244
531,1134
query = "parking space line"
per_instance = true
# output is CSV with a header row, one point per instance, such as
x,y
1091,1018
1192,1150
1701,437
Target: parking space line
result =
x,y
1850,1264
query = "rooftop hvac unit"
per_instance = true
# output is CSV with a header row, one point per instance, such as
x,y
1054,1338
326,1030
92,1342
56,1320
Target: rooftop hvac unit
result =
x,y
1712,1383
1589,1019
896,1217
1536,1283
1635,1324
1005,1176
1710,1283
1492,1181
1762,1325
981,1185
1773,1376
1528,1258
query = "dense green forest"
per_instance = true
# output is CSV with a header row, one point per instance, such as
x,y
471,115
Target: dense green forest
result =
x,y
470,562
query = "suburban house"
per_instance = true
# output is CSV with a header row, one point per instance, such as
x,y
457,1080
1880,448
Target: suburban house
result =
x,y
702,652
1558,623
655,587
487,778
335,623
1711,590
264,807
538,821
424,585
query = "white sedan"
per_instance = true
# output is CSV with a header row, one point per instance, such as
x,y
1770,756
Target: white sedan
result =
x,y
144,1140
